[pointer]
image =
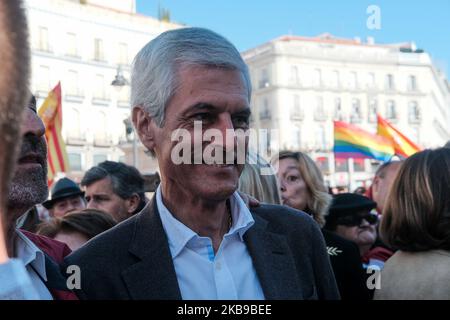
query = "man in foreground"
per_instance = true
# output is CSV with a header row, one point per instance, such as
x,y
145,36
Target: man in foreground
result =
x,y
196,239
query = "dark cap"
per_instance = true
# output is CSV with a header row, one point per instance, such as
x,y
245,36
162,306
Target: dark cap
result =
x,y
64,188
350,203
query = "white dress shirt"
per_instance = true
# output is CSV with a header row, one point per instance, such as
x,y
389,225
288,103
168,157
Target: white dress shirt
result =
x,y
227,275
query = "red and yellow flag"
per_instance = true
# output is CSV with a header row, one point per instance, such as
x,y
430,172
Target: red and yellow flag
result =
x,y
402,145
51,114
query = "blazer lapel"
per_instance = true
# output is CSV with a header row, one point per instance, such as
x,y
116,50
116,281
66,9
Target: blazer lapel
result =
x,y
56,282
153,277
273,262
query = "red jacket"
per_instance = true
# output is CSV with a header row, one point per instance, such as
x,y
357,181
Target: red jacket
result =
x,y
55,252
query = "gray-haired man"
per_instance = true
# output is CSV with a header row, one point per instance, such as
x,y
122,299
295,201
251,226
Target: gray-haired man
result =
x,y
197,239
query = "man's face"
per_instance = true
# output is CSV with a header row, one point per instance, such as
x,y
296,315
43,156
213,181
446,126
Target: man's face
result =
x,y
29,184
218,98
64,206
100,196
363,233
382,185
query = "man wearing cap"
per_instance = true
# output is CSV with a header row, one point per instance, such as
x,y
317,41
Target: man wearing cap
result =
x,y
352,217
66,196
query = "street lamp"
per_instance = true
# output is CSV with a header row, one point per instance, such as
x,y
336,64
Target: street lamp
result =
x,y
119,82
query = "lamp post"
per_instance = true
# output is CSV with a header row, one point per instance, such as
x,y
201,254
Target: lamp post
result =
x,y
119,82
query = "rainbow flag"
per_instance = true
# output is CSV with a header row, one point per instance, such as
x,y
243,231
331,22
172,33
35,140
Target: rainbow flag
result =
x,y
51,114
353,142
402,145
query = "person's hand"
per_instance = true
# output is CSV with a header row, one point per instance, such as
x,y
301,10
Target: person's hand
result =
x,y
250,202
3,252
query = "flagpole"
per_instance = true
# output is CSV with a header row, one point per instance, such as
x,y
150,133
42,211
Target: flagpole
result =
x,y
350,173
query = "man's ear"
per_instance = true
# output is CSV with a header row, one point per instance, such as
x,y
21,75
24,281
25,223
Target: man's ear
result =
x,y
133,203
145,127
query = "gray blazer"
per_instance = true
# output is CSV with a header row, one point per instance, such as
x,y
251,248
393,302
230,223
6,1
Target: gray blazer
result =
x,y
133,260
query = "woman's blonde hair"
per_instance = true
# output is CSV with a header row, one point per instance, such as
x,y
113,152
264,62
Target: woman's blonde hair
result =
x,y
319,201
417,210
256,181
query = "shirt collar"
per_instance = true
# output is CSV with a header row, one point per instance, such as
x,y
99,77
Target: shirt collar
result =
x,y
179,234
30,254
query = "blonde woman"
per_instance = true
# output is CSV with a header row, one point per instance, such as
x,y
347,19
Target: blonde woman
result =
x,y
416,221
302,187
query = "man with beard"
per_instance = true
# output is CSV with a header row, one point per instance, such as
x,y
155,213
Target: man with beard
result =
x,y
40,256
197,239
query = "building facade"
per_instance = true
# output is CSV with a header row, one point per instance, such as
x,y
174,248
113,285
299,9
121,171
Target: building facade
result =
x,y
302,84
84,44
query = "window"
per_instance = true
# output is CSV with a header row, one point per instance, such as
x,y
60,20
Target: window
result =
x,y
75,125
123,53
335,79
356,115
352,80
294,76
296,139
43,39
72,83
320,138
391,112
390,82
264,79
413,112
98,158
341,165
317,78
373,110
319,113
99,88
98,50
296,111
74,161
265,112
44,79
71,44
338,112
412,84
323,164
371,80
358,165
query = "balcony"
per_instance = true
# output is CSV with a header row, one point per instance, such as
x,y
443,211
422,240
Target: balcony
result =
x,y
76,138
103,140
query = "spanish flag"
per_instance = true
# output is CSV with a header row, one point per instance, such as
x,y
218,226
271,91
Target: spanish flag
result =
x,y
402,145
51,114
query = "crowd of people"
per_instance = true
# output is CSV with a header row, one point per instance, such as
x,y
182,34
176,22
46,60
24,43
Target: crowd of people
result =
x,y
212,231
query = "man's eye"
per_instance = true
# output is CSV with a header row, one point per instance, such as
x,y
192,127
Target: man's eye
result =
x,y
292,178
202,116
239,122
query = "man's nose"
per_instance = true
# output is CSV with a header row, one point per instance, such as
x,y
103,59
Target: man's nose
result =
x,y
33,124
91,204
228,138
282,186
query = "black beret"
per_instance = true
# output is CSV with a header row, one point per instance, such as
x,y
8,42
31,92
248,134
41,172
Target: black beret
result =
x,y
350,203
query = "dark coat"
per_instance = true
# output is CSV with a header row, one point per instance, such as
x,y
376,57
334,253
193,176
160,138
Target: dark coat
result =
x,y
347,267
133,260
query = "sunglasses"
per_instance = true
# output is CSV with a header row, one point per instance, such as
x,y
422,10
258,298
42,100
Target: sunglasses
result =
x,y
356,220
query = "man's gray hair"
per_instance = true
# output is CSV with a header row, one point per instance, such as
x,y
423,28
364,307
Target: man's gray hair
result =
x,y
155,68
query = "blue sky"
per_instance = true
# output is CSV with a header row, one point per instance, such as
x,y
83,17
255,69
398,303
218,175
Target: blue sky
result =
x,y
248,23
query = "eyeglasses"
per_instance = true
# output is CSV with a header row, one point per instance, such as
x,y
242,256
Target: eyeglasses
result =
x,y
356,220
